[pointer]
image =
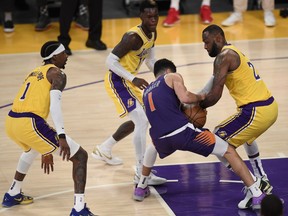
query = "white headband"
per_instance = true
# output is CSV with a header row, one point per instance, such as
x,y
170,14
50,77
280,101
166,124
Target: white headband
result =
x,y
60,49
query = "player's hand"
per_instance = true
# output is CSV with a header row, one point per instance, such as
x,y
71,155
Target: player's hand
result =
x,y
47,163
140,83
64,149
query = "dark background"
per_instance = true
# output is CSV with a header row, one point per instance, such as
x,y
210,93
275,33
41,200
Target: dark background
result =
x,y
119,9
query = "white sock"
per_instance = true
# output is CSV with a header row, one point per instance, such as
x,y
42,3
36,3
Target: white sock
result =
x,y
140,121
79,202
143,182
254,157
175,4
256,192
206,2
108,144
15,187
8,16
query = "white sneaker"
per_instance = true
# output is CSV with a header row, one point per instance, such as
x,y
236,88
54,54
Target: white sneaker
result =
x,y
106,156
264,185
152,180
269,19
232,19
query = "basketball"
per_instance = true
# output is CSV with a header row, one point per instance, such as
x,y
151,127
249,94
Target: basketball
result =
x,y
196,115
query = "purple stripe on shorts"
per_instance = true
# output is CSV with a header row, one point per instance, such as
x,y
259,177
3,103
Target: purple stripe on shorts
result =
x,y
123,92
41,127
259,103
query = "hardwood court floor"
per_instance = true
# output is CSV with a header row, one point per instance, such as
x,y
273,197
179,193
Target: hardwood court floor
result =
x,y
90,116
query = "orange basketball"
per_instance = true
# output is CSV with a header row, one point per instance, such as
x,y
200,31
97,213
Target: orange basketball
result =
x,y
196,115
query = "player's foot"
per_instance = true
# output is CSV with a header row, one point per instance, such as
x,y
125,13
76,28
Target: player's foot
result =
x,y
256,201
140,193
232,19
264,186
84,212
107,157
152,180
206,14
9,201
172,18
269,19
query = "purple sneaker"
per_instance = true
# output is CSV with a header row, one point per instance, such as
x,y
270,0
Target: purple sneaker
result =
x,y
256,201
140,193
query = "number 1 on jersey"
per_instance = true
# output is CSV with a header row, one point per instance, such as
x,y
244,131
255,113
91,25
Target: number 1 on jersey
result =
x,y
25,91
151,103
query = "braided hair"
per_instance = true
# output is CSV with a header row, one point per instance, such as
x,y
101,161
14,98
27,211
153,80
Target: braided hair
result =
x,y
48,48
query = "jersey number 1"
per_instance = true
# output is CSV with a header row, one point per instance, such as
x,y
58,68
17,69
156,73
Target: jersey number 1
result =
x,y
25,91
151,103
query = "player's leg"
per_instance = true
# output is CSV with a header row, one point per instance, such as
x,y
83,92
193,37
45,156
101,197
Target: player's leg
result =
x,y
240,168
104,151
22,129
79,159
142,190
140,120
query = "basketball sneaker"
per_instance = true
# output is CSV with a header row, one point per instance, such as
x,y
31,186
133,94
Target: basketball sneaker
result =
x,y
9,201
140,193
206,14
264,186
84,212
107,157
232,19
256,202
172,18
152,180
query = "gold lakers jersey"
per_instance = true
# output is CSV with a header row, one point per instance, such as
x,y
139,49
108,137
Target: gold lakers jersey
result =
x,y
244,84
133,59
34,94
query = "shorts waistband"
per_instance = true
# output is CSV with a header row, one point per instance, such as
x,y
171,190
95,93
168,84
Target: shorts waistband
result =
x,y
22,115
259,103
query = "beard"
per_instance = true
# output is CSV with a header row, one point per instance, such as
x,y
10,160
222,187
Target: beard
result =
x,y
214,50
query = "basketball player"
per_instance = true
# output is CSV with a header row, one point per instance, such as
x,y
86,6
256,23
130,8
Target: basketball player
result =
x,y
171,130
257,110
124,87
26,125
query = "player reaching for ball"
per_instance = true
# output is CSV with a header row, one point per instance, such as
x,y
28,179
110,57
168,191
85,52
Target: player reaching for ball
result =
x,y
171,130
257,109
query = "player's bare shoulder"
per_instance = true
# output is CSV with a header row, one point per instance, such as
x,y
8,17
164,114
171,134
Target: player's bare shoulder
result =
x,y
57,78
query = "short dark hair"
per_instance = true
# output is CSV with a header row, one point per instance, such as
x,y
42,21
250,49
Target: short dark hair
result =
x,y
48,48
214,29
271,205
147,4
162,64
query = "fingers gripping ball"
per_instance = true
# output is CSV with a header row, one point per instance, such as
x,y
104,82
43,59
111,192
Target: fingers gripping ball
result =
x,y
196,115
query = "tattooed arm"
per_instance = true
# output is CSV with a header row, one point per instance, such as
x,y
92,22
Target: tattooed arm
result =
x,y
223,64
57,78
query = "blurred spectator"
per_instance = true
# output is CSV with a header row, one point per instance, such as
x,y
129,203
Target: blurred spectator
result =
x,y
95,24
81,18
241,5
271,205
8,7
173,13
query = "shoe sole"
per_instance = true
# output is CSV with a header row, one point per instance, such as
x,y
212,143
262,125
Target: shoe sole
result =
x,y
81,27
43,29
170,25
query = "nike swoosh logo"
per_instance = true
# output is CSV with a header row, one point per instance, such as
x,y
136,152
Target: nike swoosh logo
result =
x,y
18,199
102,154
